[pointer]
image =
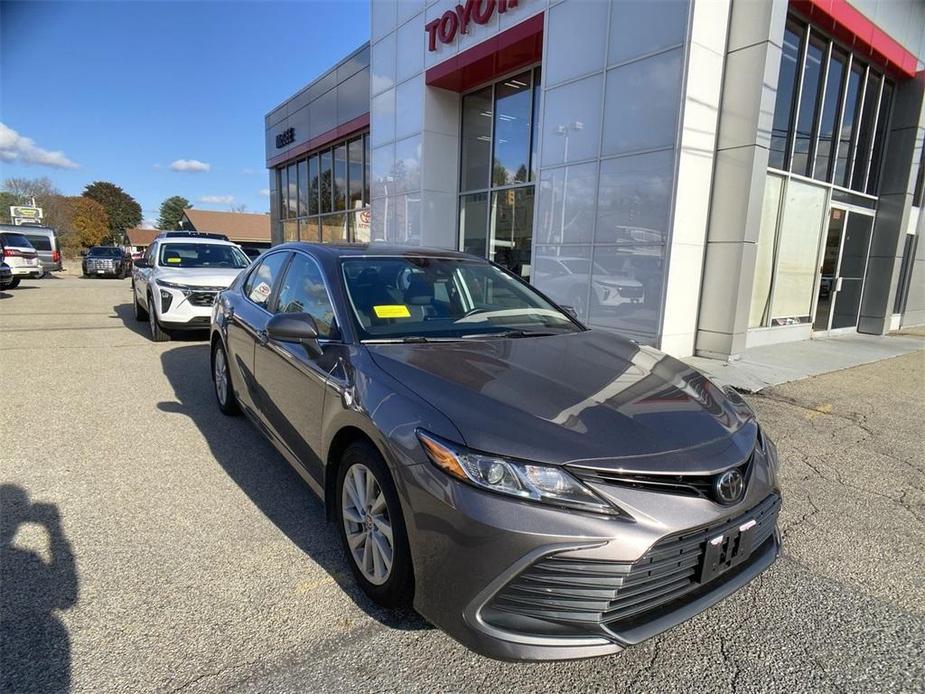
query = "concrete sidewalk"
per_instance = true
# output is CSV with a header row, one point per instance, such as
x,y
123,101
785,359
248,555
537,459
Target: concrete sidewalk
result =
x,y
772,365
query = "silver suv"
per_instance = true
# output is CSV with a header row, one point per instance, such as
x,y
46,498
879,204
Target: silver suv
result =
x,y
175,283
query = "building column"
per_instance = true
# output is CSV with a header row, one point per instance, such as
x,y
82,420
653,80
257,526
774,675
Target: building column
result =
x,y
894,207
749,91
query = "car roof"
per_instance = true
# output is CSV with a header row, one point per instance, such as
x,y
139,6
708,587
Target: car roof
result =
x,y
376,248
193,239
26,229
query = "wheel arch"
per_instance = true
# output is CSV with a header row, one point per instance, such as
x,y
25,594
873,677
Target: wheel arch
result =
x,y
343,439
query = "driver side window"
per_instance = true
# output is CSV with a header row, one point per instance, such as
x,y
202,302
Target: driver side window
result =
x,y
303,291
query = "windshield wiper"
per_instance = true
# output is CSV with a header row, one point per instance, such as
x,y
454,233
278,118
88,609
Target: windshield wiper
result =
x,y
408,340
515,333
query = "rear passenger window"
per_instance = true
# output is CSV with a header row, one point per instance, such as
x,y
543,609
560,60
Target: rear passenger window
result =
x,y
260,283
40,243
303,291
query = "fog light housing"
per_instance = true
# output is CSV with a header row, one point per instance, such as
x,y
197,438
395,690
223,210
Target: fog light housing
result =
x,y
166,300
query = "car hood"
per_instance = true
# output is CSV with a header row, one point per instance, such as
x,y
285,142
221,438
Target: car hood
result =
x,y
587,398
199,277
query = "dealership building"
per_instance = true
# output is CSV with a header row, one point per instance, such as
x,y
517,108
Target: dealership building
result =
x,y
701,175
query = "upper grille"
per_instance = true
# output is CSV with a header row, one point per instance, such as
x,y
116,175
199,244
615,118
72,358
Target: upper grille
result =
x,y
565,589
685,485
202,298
100,263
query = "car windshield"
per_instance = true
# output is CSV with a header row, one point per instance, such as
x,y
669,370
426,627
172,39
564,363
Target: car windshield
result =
x,y
423,297
103,252
202,255
17,240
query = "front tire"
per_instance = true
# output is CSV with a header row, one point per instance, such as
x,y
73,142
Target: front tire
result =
x,y
221,381
140,314
13,284
158,334
372,528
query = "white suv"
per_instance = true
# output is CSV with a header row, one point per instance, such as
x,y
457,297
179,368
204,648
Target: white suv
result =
x,y
177,280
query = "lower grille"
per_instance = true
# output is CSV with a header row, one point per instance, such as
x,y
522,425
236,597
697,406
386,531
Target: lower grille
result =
x,y
564,589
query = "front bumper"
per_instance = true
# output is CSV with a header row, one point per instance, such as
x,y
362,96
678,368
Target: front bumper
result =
x,y
191,310
519,581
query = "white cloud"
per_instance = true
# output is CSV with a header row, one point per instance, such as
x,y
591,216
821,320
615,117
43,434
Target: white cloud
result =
x,y
264,192
148,224
16,148
192,165
217,199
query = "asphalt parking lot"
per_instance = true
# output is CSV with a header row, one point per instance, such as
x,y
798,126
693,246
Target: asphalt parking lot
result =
x,y
151,544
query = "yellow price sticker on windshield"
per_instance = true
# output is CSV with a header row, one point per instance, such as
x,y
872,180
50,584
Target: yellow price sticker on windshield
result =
x,y
392,311
174,260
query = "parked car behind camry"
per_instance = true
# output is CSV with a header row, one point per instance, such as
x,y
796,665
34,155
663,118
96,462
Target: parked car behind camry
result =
x,y
536,489
45,242
106,261
20,256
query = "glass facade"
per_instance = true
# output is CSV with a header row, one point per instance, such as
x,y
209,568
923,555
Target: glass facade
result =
x,y
498,169
325,196
830,118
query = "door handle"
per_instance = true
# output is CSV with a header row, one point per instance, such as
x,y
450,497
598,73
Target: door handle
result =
x,y
263,337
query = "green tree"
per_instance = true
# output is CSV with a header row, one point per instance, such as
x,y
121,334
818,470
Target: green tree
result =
x,y
172,212
22,191
7,200
122,210
89,221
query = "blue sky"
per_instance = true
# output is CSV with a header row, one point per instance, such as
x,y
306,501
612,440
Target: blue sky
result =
x,y
122,90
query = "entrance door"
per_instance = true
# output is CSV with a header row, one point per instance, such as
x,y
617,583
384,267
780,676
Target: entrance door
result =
x,y
844,262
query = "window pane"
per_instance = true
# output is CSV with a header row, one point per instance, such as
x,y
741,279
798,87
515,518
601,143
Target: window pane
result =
x,y
513,113
308,230
512,229
290,231
635,198
303,188
473,223
327,184
883,121
293,192
366,169
476,139
830,108
534,126
355,173
852,100
764,265
564,274
627,282
640,27
786,86
809,100
313,185
866,131
340,177
798,246
302,291
334,228
283,193
260,282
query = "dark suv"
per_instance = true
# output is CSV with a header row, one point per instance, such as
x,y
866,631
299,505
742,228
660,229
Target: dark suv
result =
x,y
107,261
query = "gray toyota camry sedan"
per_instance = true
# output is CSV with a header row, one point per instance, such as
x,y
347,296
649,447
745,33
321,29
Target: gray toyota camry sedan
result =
x,y
536,489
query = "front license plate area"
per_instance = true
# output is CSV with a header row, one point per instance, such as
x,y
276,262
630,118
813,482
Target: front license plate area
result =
x,y
725,551
100,272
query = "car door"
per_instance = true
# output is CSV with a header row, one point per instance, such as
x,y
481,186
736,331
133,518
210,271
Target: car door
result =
x,y
142,275
248,320
292,383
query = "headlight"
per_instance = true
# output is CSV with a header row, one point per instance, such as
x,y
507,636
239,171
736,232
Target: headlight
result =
x,y
179,287
544,483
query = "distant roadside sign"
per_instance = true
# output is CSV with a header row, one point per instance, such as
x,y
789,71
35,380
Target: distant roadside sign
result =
x,y
25,214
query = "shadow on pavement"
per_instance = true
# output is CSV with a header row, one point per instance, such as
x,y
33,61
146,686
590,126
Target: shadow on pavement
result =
x,y
267,479
126,313
35,649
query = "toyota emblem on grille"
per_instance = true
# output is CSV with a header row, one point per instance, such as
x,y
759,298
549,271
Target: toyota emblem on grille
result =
x,y
729,486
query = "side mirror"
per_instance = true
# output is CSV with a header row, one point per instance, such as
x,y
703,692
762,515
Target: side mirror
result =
x,y
569,310
141,262
295,327
83,252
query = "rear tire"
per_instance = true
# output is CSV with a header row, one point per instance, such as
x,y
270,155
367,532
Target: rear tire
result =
x,y
221,382
368,518
158,334
13,284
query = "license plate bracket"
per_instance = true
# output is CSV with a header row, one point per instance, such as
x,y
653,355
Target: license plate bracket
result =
x,y
725,551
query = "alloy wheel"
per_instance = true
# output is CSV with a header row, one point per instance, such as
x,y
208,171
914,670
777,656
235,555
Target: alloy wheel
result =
x,y
367,524
220,376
